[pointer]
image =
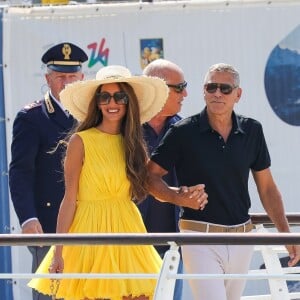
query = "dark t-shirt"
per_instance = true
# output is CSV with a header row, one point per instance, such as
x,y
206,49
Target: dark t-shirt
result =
x,y
200,155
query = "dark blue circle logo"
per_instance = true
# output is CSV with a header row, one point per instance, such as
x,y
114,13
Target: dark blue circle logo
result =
x,y
282,78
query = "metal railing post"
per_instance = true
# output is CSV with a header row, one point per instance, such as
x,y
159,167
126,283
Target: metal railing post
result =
x,y
278,287
165,285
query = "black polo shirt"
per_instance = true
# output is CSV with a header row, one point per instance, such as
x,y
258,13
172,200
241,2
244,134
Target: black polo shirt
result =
x,y
200,155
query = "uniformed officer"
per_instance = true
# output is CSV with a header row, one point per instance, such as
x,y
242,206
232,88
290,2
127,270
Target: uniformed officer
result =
x,y
35,172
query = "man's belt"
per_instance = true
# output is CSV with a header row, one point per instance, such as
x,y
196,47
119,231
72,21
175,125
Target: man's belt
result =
x,y
208,227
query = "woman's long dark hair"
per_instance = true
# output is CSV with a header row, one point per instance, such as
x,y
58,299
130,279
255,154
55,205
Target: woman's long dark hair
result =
x,y
134,145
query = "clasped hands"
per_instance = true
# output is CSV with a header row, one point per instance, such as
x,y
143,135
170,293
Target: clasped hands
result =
x,y
193,197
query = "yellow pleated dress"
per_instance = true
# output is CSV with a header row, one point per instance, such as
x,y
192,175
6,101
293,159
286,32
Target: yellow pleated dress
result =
x,y
104,205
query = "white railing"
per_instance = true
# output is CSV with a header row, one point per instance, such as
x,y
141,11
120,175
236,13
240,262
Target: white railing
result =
x,y
265,241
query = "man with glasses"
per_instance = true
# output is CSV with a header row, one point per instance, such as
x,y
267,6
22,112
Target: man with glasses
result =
x,y
162,216
218,148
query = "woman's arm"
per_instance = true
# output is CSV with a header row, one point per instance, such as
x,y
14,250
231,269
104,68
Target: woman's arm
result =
x,y
72,169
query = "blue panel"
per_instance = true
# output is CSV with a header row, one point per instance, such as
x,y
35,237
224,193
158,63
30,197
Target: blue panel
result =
x,y
282,80
5,253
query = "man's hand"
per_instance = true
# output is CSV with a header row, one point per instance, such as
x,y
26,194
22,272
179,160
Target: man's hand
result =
x,y
193,197
294,253
33,226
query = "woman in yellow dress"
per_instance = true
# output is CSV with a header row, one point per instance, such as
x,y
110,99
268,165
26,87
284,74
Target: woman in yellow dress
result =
x,y
105,172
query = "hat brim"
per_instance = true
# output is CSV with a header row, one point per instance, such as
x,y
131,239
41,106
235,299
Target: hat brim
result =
x,y
151,92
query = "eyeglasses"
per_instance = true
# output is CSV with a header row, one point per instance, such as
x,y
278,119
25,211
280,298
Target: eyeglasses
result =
x,y
178,87
225,88
105,97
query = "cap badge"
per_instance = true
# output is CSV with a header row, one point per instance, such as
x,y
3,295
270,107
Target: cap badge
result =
x,y
66,51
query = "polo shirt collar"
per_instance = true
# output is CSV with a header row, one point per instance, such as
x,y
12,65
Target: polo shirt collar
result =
x,y
204,124
169,121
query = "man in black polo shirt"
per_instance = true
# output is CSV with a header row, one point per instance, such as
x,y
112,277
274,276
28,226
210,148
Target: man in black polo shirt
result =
x,y
218,148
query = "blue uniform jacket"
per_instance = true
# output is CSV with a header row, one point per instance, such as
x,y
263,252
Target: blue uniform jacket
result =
x,y
36,176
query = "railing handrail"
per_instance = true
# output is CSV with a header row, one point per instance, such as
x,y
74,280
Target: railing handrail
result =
x,y
275,274
263,218
163,238
179,239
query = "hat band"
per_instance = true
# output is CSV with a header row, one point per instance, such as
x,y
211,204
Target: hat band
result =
x,y
64,63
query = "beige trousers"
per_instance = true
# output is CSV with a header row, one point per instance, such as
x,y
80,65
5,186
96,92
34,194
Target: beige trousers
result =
x,y
216,259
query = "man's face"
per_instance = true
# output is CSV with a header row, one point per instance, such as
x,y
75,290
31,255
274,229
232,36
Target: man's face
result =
x,y
58,80
175,98
220,93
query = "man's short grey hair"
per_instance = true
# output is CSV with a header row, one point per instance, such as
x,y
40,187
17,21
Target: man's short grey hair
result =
x,y
222,67
48,71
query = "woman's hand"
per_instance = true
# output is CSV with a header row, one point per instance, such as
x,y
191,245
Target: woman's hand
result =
x,y
57,265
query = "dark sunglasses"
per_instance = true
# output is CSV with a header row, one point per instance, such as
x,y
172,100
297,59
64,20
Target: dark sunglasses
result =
x,y
225,88
178,87
105,97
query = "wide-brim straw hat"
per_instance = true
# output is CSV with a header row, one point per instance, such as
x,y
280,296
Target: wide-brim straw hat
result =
x,y
151,92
